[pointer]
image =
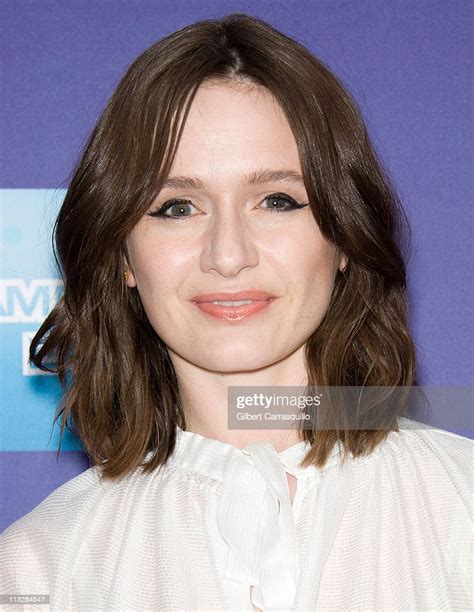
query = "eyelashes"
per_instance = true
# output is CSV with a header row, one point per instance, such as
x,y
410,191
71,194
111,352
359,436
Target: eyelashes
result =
x,y
183,205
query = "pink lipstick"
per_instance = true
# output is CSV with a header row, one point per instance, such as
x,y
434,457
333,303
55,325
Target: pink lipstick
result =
x,y
233,306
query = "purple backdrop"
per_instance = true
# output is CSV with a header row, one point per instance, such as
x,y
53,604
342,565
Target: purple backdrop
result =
x,y
408,64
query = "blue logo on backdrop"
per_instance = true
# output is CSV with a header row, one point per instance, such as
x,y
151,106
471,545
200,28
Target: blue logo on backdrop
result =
x,y
29,289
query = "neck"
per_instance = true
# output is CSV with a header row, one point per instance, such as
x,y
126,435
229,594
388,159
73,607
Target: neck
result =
x,y
204,395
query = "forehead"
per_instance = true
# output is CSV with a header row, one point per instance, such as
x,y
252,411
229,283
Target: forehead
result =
x,y
235,127
221,108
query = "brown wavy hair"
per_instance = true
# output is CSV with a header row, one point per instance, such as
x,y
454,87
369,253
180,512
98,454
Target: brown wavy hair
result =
x,y
120,391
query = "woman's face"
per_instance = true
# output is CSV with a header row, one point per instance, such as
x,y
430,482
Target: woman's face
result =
x,y
224,237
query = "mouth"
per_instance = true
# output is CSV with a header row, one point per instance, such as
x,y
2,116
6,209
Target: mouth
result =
x,y
233,306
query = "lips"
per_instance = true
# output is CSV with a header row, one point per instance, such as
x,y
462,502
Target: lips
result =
x,y
258,301
253,295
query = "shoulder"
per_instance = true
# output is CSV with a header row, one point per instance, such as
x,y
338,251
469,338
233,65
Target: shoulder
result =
x,y
424,487
60,505
438,461
45,542
30,548
450,449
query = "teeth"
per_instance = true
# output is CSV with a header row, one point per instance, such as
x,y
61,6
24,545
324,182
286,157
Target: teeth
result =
x,y
241,303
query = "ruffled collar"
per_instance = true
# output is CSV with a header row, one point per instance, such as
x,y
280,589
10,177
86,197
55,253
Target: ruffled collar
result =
x,y
211,457
254,515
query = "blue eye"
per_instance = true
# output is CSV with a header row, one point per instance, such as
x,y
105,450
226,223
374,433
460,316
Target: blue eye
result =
x,y
179,204
182,205
291,204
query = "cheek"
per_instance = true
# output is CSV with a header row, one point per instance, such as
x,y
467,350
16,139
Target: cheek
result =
x,y
159,266
318,265
160,275
310,269
307,257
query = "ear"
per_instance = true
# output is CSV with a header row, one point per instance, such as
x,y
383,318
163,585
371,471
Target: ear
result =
x,y
343,260
129,278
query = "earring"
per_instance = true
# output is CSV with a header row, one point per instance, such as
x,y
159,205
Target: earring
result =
x,y
125,275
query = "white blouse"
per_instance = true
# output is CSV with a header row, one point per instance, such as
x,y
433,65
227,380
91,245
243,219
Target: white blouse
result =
x,y
214,529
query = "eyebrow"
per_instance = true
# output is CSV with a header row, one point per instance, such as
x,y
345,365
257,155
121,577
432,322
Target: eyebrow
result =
x,y
256,177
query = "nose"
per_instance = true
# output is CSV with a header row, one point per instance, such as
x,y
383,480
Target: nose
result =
x,y
229,244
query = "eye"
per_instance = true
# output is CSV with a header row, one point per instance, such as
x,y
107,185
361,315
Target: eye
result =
x,y
180,207
289,203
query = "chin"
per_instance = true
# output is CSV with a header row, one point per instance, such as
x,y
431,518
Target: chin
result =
x,y
226,362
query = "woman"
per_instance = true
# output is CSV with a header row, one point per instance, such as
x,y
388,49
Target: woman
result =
x,y
231,166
